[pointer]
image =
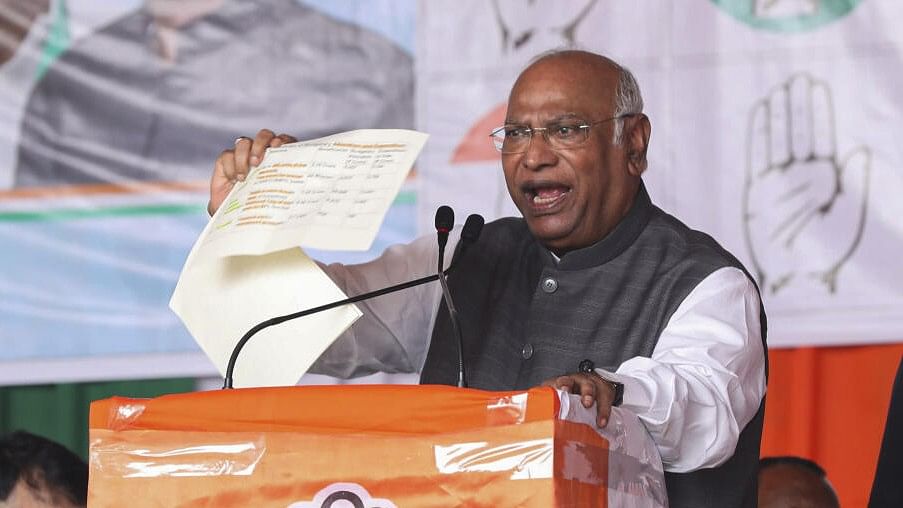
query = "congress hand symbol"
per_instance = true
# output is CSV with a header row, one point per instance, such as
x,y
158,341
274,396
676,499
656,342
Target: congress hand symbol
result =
x,y
804,205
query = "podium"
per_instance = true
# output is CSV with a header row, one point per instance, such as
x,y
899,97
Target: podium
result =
x,y
368,447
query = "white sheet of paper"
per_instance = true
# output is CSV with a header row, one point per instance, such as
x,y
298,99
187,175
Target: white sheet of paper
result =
x,y
327,193
219,299
246,267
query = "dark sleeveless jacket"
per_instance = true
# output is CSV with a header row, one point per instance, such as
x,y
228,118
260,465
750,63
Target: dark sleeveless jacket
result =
x,y
526,318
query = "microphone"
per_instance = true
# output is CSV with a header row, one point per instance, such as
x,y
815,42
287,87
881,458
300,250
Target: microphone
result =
x,y
469,234
473,226
445,221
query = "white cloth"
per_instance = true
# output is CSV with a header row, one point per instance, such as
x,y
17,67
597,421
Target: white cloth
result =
x,y
702,385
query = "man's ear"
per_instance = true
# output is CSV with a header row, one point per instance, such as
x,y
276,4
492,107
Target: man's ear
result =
x,y
637,142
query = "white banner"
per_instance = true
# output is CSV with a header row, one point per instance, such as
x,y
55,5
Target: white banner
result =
x,y
773,129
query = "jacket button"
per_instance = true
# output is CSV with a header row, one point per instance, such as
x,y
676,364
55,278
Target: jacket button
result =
x,y
527,351
549,285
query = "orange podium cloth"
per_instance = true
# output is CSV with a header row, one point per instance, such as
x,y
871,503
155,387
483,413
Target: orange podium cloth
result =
x,y
373,446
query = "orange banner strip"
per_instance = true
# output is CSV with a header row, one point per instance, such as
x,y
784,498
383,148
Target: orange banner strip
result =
x,y
328,409
105,188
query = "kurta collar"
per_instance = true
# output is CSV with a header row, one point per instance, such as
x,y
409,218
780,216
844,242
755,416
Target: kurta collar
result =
x,y
616,242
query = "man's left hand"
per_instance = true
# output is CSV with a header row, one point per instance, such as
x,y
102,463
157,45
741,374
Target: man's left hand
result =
x,y
591,389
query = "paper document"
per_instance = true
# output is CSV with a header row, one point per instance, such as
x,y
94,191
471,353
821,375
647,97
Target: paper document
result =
x,y
246,267
328,193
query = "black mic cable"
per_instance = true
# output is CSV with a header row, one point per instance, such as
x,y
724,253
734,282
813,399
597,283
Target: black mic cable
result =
x,y
468,236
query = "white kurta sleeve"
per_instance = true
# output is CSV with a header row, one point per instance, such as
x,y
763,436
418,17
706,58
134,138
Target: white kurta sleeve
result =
x,y
706,376
393,334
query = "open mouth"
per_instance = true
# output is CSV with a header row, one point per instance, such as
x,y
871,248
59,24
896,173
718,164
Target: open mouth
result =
x,y
545,197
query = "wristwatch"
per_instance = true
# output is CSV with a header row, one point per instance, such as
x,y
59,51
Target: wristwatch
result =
x,y
588,367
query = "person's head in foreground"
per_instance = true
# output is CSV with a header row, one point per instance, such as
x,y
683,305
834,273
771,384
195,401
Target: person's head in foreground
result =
x,y
794,482
36,472
573,147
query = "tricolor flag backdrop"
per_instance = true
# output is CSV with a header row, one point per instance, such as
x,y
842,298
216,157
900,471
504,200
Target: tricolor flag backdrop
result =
x,y
772,130
113,113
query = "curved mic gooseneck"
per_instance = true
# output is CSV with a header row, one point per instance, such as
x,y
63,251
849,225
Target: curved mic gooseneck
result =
x,y
445,220
468,235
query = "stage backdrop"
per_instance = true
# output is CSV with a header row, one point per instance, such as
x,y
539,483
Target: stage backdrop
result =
x,y
774,128
111,114
774,125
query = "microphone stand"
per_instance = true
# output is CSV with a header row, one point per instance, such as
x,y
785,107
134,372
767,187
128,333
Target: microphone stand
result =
x,y
469,235
473,226
453,317
445,221
227,380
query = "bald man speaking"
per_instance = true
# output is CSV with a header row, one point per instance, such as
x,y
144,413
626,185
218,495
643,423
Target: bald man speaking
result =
x,y
594,290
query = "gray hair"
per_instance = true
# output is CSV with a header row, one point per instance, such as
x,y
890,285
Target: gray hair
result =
x,y
628,101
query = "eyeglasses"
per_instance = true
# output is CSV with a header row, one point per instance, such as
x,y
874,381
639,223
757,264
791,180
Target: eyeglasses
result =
x,y
514,138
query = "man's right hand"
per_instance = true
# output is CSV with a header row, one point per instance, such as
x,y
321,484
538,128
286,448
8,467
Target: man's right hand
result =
x,y
233,164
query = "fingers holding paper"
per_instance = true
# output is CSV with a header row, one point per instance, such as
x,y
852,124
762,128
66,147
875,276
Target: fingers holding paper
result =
x,y
233,164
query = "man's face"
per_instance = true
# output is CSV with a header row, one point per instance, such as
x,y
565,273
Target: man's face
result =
x,y
570,198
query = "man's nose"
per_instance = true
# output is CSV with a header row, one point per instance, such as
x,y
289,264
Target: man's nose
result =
x,y
539,152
